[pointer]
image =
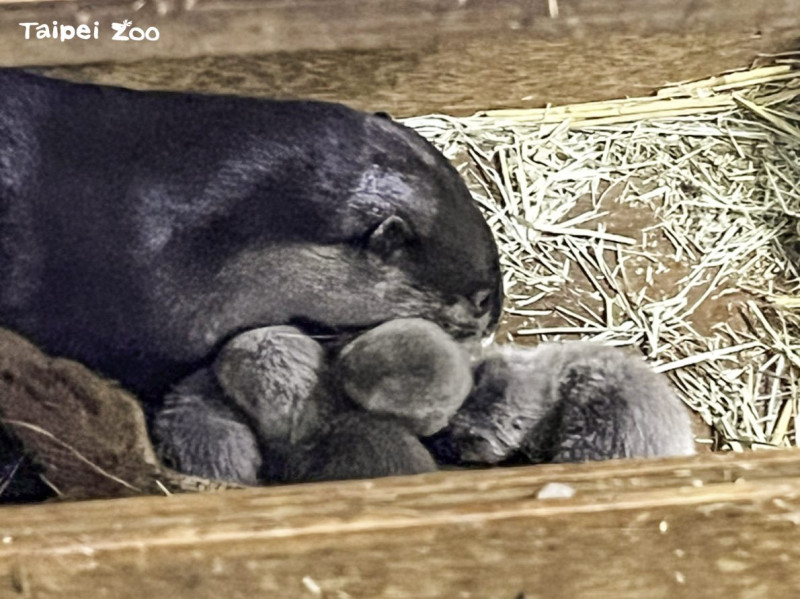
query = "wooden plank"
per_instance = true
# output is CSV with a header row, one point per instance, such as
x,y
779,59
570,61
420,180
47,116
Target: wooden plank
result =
x,y
203,27
409,56
721,525
453,77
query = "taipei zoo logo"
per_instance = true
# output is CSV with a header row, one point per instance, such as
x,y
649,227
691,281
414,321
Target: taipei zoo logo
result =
x,y
120,32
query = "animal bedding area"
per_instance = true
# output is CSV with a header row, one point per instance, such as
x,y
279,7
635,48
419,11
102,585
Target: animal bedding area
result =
x,y
666,224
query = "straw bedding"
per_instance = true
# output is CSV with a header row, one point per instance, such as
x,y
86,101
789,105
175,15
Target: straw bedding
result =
x,y
668,224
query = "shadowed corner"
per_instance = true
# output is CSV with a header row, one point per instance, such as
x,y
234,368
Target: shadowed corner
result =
x,y
20,477
90,443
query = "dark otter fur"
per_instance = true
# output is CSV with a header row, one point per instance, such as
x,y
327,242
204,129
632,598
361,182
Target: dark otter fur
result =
x,y
141,230
197,432
361,445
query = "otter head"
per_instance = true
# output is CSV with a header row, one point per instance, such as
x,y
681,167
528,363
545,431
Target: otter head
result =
x,y
370,225
419,244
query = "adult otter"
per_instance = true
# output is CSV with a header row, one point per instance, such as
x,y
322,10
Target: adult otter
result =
x,y
140,230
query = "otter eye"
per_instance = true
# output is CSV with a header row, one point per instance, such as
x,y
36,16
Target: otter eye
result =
x,y
482,299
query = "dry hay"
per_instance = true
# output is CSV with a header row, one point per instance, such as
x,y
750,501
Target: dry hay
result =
x,y
665,223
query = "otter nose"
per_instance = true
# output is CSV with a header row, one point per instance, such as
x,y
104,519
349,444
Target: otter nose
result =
x,y
489,300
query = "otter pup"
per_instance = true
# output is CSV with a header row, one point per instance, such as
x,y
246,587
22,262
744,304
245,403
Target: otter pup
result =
x,y
198,433
361,445
268,410
565,403
278,378
407,369
242,419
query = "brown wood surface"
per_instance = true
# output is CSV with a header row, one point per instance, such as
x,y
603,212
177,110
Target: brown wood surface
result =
x,y
410,56
452,78
201,27
707,526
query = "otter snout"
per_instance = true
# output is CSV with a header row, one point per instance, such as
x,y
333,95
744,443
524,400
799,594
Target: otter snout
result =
x,y
475,316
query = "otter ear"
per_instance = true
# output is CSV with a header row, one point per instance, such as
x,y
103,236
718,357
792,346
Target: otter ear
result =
x,y
391,236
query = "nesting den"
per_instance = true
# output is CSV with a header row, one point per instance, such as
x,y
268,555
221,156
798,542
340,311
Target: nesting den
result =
x,y
664,223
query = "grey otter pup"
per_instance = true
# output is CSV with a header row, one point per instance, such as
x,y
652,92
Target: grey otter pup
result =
x,y
267,410
242,419
277,377
565,403
407,369
196,432
363,446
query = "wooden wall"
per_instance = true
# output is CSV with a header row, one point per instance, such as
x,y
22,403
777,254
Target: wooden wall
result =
x,y
710,526
409,56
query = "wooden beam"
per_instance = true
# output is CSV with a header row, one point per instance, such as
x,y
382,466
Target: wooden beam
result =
x,y
213,27
706,526
411,57
458,78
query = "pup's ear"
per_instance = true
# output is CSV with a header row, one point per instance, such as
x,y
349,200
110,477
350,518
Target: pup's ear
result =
x,y
392,236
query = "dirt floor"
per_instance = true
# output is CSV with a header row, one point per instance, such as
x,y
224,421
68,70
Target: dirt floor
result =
x,y
663,225
580,296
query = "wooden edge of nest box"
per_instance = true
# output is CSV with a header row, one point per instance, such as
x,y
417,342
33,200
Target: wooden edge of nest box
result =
x,y
686,527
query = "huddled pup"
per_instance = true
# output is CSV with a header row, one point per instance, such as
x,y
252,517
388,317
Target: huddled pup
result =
x,y
404,396
564,402
271,410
